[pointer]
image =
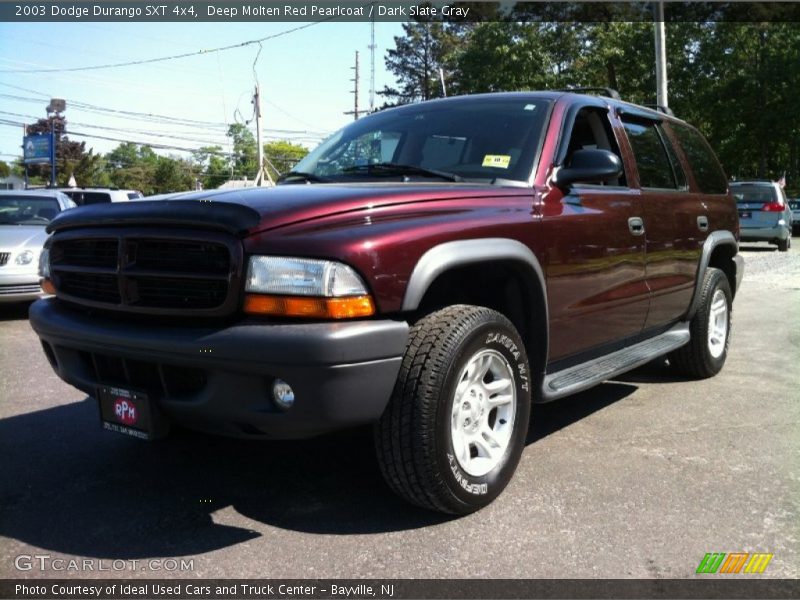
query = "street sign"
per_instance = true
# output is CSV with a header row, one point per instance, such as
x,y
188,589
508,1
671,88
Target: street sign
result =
x,y
36,149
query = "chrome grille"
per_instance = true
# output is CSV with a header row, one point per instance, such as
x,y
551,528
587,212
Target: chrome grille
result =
x,y
4,258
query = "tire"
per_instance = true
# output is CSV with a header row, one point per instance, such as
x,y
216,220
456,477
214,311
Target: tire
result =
x,y
434,440
710,330
784,245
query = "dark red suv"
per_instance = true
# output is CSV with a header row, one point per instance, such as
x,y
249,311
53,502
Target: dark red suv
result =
x,y
431,269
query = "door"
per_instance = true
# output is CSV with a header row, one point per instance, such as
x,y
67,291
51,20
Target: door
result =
x,y
675,221
596,284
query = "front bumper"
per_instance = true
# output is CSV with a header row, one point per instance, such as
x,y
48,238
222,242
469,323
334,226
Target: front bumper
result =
x,y
19,287
764,234
220,380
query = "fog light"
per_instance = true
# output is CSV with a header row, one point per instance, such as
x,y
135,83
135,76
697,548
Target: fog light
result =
x,y
283,394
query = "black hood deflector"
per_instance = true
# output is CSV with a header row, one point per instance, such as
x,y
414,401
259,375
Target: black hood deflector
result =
x,y
231,218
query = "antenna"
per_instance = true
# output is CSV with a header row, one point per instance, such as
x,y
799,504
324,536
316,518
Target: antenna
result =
x,y
372,48
354,112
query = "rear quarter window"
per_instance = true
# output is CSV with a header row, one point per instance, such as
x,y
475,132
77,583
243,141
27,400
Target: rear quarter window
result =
x,y
708,173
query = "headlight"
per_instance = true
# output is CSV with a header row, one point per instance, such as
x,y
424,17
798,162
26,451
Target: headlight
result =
x,y
24,258
302,277
305,287
44,264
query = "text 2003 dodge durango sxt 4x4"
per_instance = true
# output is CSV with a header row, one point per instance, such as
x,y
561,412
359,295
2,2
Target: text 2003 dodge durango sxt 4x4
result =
x,y
430,269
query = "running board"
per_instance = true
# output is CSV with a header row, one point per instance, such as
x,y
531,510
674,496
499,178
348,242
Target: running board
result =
x,y
585,375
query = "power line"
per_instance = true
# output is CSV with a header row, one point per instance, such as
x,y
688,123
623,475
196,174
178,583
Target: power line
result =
x,y
172,57
167,134
149,117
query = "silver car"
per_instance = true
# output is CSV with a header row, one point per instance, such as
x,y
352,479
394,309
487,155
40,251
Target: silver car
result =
x,y
795,206
23,218
764,213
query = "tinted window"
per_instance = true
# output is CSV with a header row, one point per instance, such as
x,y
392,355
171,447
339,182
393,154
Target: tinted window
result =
x,y
677,169
707,173
754,193
27,210
134,195
82,198
655,169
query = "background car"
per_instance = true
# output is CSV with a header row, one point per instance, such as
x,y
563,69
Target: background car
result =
x,y
24,215
764,213
794,204
90,195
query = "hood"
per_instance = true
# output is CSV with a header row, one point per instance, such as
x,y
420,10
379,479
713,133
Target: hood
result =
x,y
22,236
247,211
287,204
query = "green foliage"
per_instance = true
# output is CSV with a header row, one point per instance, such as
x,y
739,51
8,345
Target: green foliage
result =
x,y
281,156
245,151
5,170
419,54
214,168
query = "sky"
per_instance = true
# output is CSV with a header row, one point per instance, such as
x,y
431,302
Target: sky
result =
x,y
305,80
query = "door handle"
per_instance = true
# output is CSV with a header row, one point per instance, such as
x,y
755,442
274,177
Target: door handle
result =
x,y
636,225
702,223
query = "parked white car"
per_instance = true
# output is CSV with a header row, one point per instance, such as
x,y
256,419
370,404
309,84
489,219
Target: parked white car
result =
x,y
98,195
24,215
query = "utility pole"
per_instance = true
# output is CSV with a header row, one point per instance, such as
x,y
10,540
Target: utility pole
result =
x,y
661,55
262,177
354,112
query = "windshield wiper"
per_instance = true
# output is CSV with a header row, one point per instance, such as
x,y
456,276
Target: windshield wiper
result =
x,y
300,176
398,169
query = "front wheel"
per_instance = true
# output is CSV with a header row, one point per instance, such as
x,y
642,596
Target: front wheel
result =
x,y
453,432
710,330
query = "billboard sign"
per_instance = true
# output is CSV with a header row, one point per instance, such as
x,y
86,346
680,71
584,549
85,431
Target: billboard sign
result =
x,y
37,148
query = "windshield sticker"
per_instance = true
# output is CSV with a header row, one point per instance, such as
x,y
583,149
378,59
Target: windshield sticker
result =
x,y
498,161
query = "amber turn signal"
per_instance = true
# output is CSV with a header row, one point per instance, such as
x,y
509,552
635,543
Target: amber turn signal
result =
x,y
315,308
48,287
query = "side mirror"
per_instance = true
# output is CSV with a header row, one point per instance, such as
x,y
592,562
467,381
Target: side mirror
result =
x,y
588,166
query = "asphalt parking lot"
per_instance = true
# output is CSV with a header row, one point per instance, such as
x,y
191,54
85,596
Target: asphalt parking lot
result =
x,y
638,477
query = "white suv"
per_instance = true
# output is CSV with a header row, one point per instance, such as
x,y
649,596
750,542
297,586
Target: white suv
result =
x,y
91,195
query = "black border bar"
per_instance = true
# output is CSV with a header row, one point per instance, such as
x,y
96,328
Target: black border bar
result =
x,y
713,586
220,11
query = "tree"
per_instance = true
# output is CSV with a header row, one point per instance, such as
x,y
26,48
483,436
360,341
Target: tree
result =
x,y
245,151
499,56
282,156
133,167
5,170
173,174
417,57
213,166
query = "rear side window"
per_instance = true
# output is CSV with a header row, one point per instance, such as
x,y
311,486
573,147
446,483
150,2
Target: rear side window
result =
x,y
83,198
652,159
707,173
745,194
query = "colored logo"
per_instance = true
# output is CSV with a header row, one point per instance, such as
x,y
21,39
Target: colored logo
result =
x,y
125,411
735,562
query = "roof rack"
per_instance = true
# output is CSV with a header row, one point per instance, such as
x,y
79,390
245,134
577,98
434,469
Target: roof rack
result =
x,y
602,91
660,108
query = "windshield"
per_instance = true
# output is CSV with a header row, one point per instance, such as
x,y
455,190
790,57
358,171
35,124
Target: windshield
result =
x,y
754,193
486,140
27,210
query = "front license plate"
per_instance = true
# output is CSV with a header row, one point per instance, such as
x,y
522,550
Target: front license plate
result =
x,y
126,411
745,214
